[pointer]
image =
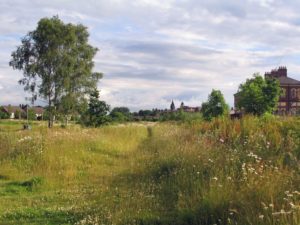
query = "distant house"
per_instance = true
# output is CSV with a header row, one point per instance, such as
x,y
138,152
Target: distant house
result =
x,y
38,111
19,112
14,112
189,108
289,101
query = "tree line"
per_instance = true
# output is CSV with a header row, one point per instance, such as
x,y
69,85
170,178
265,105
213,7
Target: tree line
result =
x,y
57,64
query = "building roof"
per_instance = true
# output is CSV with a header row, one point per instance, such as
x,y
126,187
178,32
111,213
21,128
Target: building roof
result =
x,y
288,80
38,109
12,109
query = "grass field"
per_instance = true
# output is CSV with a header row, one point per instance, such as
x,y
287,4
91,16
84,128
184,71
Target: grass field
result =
x,y
221,172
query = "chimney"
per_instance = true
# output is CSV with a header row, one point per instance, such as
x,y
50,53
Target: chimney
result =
x,y
276,73
282,71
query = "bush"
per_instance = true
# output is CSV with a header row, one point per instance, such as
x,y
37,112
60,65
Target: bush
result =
x,y
3,115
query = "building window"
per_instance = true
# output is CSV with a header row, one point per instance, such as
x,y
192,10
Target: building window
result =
x,y
294,93
283,92
298,93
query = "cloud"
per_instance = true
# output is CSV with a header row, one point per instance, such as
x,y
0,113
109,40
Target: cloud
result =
x,y
154,51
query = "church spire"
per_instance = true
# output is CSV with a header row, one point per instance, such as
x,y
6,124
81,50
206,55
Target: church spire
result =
x,y
172,106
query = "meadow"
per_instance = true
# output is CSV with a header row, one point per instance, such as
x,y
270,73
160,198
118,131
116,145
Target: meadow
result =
x,y
243,172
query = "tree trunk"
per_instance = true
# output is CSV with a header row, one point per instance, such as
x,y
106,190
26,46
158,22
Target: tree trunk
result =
x,y
50,119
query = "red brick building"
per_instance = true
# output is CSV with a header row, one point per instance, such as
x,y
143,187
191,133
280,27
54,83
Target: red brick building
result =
x,y
289,101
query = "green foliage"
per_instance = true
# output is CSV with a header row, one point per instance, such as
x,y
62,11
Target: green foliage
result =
x,y
3,115
58,58
181,116
17,114
31,114
258,95
97,112
145,113
120,114
215,106
220,172
123,110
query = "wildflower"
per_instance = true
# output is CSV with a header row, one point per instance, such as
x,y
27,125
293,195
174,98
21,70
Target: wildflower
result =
x,y
261,217
221,140
215,178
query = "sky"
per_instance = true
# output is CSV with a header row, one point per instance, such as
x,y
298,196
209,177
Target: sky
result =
x,y
152,51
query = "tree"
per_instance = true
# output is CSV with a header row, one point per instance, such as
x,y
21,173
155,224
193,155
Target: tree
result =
x,y
215,106
31,114
145,113
97,113
123,110
3,114
120,114
56,61
18,114
258,95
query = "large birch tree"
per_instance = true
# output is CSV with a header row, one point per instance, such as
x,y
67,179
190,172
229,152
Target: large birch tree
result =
x,y
57,63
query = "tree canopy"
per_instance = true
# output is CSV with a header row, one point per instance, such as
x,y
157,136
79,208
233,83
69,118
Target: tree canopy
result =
x,y
57,64
120,114
215,106
258,95
97,112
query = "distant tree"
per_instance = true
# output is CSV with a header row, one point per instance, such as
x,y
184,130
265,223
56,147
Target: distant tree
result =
x,y
119,117
18,114
145,113
123,110
56,61
172,106
120,114
215,106
3,114
258,95
97,112
31,114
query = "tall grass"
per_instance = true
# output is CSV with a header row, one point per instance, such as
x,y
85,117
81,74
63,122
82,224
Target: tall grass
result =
x,y
219,172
